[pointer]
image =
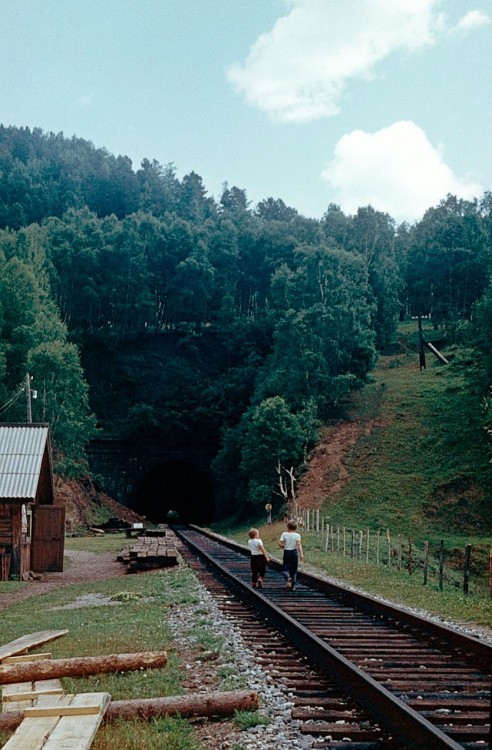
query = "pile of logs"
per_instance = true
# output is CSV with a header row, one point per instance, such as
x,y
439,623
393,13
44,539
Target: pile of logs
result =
x,y
150,552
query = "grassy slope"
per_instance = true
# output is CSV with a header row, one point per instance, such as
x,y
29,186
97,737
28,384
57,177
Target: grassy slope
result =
x,y
423,467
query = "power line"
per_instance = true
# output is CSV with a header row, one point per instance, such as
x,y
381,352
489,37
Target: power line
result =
x,y
12,400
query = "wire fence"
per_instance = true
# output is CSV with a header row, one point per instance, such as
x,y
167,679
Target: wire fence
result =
x,y
382,548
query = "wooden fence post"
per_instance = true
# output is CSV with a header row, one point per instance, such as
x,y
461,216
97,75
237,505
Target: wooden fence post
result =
x,y
399,552
441,564
490,585
426,561
389,546
352,543
466,570
327,542
344,540
377,546
367,547
359,548
410,567
338,543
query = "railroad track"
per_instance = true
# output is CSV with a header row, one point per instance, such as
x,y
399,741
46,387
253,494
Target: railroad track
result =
x,y
361,674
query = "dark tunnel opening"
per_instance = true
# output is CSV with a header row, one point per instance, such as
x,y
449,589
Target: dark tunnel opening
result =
x,y
180,487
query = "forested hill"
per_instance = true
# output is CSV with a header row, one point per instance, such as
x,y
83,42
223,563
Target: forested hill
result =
x,y
141,306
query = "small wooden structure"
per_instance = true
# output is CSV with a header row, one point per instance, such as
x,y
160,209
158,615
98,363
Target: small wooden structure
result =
x,y
32,525
154,549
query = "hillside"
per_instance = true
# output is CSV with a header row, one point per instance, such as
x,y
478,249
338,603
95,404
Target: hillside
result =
x,y
85,506
409,453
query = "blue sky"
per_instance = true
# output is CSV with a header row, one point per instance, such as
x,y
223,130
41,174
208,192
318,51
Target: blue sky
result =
x,y
386,102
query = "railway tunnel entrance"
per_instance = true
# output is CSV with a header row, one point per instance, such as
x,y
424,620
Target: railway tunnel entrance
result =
x,y
176,487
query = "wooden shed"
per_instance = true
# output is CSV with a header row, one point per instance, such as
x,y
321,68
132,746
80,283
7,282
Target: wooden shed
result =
x,y
32,526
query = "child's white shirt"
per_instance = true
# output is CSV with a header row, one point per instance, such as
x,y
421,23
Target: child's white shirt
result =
x,y
255,546
290,539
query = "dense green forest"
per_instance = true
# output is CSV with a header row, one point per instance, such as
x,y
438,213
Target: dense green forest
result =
x,y
143,307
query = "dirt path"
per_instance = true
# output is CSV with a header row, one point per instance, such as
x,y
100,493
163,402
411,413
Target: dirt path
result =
x,y
84,567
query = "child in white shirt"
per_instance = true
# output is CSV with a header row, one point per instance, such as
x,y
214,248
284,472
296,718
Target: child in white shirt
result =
x,y
290,541
259,558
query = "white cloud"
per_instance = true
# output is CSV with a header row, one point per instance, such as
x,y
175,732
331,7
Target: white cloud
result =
x,y
298,71
395,170
472,20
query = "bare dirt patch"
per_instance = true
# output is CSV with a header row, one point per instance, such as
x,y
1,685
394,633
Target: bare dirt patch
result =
x,y
327,471
84,567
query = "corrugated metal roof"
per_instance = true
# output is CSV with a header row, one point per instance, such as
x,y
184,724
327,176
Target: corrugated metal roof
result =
x,y
21,454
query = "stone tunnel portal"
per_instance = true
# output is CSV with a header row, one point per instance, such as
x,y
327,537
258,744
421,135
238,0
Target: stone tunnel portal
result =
x,y
179,487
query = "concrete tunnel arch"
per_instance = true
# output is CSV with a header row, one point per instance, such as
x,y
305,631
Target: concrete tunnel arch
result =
x,y
176,486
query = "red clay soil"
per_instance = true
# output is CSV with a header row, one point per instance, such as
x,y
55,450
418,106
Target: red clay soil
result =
x,y
327,472
84,567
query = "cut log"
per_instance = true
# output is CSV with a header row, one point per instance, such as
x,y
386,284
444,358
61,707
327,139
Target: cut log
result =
x,y
191,705
80,666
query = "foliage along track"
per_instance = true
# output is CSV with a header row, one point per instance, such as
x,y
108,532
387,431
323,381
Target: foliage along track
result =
x,y
361,673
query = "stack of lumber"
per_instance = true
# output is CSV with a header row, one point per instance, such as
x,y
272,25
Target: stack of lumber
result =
x,y
150,552
62,722
17,696
49,718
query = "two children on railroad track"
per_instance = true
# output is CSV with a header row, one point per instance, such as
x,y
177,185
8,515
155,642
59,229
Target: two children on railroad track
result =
x,y
290,542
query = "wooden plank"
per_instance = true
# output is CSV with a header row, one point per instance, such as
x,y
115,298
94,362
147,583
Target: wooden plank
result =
x,y
26,657
30,695
34,711
32,733
22,695
77,732
26,642
15,689
10,699
45,685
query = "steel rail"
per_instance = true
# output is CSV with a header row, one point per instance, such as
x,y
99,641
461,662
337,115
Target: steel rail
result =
x,y
468,646
414,730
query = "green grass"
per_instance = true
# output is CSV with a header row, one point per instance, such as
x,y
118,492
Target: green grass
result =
x,y
98,544
422,464
247,719
137,623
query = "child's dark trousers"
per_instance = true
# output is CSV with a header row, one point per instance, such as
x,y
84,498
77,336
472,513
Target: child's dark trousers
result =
x,y
258,567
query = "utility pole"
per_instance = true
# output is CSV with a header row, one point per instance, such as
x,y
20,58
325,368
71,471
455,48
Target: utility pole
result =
x,y
28,397
421,345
